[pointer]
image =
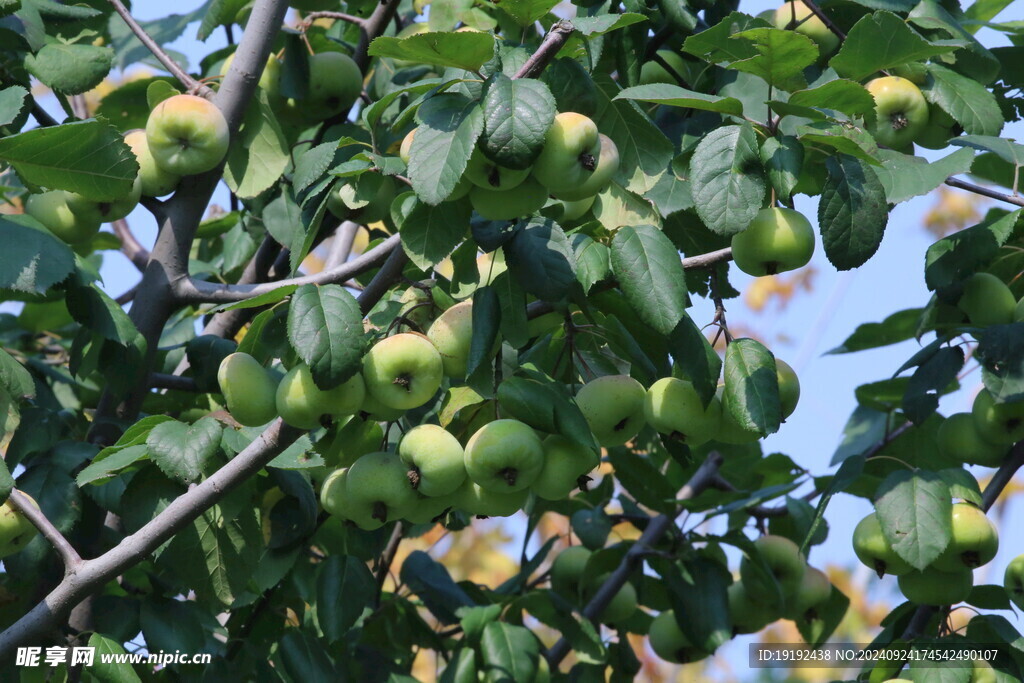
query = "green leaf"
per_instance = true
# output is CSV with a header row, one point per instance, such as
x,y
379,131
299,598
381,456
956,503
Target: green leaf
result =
x,y
100,470
782,158
651,275
34,259
714,45
592,260
727,180
930,381
600,24
304,658
12,100
159,90
181,450
1002,360
429,233
752,386
697,591
554,611
219,13
852,212
915,511
616,207
696,358
14,378
87,157
897,327
1007,150
430,581
6,482
782,56
462,50
644,150
105,667
526,12
510,653
449,127
592,527
880,41
70,69
529,401
962,485
957,256
325,327
93,308
258,154
675,96
905,176
344,588
170,625
976,60
843,95
541,259
486,324
826,619
846,139
970,103
517,115
205,354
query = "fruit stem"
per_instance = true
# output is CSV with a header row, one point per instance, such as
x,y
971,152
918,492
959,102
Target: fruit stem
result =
x,y
414,477
588,161
403,381
509,474
899,121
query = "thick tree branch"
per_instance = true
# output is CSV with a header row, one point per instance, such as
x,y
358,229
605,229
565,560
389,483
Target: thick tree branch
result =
x,y
130,246
162,380
33,514
199,291
42,116
183,510
656,528
548,48
388,275
371,27
172,67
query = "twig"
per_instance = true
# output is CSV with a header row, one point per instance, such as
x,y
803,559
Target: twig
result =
x,y
67,553
42,116
984,191
172,67
127,296
308,19
189,290
162,380
700,480
831,25
548,48
389,273
387,557
130,246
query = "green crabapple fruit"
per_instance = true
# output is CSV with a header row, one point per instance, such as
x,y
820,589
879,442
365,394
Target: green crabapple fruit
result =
x,y
187,135
567,571
672,406
776,240
452,335
524,199
748,615
670,643
607,165
987,300
565,463
1000,423
571,151
475,500
483,172
974,540
154,181
504,456
250,390
1013,581
426,509
435,458
789,387
935,587
872,548
614,408
366,199
302,404
959,440
620,607
105,212
901,112
51,209
335,82
379,488
802,20
786,566
815,590
16,531
403,371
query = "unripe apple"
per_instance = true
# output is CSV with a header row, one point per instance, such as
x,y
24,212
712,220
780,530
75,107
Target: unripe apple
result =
x,y
934,587
565,463
987,300
504,456
815,590
376,410
187,135
901,112
670,643
958,439
105,212
653,72
730,431
153,180
974,540
793,14
607,165
403,371
1013,581
302,404
620,607
747,615
335,83
51,209
249,389
350,441
672,406
1000,423
873,549
418,307
16,531
333,497
526,198
379,487
435,458
475,500
567,571
786,565
789,387
426,509
483,172
571,150
940,129
452,335
776,240
614,408
983,672
567,212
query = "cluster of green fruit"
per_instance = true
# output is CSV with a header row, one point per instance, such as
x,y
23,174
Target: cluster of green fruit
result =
x,y
184,135
16,531
779,584
575,164
950,577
